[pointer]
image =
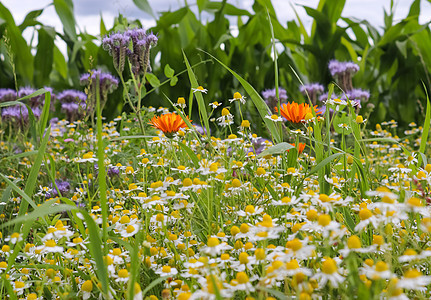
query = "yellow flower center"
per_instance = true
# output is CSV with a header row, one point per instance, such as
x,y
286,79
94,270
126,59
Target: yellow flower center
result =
x,y
294,244
415,202
365,214
243,258
381,266
225,112
329,266
242,277
166,269
324,220
354,242
87,286
412,274
187,182
123,273
213,242
236,183
50,243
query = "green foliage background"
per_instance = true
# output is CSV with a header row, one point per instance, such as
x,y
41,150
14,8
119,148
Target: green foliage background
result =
x,y
393,61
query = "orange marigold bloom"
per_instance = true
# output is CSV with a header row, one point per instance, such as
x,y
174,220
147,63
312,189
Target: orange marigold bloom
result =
x,y
168,123
295,112
300,148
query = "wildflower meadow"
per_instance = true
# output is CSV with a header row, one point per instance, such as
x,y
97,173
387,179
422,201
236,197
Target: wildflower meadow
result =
x,y
244,193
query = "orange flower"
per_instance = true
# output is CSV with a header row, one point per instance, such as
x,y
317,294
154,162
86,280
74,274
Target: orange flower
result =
x,y
168,123
300,148
295,112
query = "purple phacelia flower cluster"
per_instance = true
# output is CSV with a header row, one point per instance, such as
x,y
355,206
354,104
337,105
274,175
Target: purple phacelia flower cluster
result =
x,y
313,90
18,115
73,104
63,188
270,97
118,46
341,67
343,73
7,95
107,84
358,94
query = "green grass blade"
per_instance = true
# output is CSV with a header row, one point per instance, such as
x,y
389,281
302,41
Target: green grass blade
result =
x,y
20,155
201,103
261,106
102,170
426,127
152,285
41,211
45,113
191,154
325,162
276,149
34,172
185,119
95,247
19,191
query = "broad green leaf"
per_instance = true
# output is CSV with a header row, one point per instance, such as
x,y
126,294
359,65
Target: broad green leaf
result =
x,y
173,81
145,7
45,114
44,58
19,191
228,9
60,64
169,72
43,210
152,79
64,11
23,59
153,284
19,155
103,30
30,19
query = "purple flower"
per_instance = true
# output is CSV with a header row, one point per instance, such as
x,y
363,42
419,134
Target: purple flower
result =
x,y
270,97
63,188
338,68
141,44
7,95
358,94
271,94
18,114
343,73
117,45
72,96
313,90
113,171
73,111
107,82
324,97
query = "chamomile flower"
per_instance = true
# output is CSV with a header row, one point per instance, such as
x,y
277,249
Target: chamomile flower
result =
x,y
237,97
199,89
274,118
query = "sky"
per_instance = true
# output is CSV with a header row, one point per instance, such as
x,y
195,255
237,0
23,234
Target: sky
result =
x,y
87,12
